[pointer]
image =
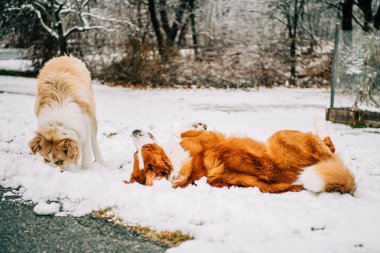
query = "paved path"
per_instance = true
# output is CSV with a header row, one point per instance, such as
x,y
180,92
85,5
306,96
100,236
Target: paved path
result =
x,y
21,230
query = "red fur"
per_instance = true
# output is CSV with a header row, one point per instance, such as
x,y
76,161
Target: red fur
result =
x,y
273,166
156,165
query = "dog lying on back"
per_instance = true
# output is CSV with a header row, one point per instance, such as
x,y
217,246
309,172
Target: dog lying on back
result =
x,y
288,161
65,110
151,161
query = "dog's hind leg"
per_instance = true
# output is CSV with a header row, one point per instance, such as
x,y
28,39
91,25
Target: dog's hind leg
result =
x,y
329,144
184,176
94,141
245,180
322,131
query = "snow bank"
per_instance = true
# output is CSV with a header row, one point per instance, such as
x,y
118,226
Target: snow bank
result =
x,y
220,220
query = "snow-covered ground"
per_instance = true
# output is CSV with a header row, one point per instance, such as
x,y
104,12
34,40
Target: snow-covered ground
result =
x,y
220,220
16,65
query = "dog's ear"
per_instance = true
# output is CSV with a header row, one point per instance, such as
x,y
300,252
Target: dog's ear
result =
x,y
35,143
168,165
71,149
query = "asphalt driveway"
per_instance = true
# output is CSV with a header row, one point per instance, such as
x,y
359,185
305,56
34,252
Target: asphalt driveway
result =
x,y
21,230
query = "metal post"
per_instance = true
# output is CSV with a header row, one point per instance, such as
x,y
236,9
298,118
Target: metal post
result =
x,y
335,59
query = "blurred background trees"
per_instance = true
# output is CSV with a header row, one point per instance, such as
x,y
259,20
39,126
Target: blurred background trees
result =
x,y
224,43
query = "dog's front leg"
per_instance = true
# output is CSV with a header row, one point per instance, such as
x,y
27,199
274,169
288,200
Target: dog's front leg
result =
x,y
86,155
137,174
182,180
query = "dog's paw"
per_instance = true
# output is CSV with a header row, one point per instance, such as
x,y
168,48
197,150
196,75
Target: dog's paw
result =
x,y
199,126
179,181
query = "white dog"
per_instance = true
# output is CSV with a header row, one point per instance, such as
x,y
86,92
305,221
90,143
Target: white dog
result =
x,y
65,110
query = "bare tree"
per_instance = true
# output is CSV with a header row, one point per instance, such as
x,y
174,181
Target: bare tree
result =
x,y
156,26
194,33
347,14
365,17
170,25
290,14
376,19
61,19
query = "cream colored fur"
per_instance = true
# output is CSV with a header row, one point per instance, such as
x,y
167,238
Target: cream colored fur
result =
x,y
65,103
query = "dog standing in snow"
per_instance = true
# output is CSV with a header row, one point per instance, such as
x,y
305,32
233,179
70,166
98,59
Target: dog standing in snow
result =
x,y
65,110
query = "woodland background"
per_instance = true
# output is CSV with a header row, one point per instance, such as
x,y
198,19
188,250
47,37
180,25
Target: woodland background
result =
x,y
231,43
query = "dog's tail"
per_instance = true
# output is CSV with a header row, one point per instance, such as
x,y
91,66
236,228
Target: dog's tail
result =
x,y
329,175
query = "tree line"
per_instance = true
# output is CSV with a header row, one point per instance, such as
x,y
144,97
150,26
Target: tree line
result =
x,y
154,41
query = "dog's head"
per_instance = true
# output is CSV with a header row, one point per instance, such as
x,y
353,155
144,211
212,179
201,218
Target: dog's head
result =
x,y
140,138
156,163
56,150
151,159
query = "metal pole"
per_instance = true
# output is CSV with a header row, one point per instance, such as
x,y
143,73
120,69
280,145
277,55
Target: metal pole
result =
x,y
335,59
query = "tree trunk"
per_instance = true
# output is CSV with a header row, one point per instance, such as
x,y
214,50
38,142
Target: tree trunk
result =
x,y
164,17
293,58
62,46
62,40
376,19
366,7
182,33
156,28
177,22
172,31
139,16
193,28
298,12
347,15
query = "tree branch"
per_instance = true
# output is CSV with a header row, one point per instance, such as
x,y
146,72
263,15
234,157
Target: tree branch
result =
x,y
39,16
164,17
178,19
84,28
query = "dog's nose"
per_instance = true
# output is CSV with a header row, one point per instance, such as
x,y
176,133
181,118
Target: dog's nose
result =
x,y
136,132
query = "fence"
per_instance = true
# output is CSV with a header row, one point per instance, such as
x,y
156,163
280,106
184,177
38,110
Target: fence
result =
x,y
355,84
356,70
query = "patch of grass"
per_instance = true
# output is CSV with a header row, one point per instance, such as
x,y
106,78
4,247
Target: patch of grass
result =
x,y
168,238
359,124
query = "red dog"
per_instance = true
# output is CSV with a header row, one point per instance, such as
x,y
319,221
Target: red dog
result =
x,y
288,161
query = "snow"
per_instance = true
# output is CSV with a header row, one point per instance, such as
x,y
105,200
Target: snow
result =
x,y
16,64
43,208
220,219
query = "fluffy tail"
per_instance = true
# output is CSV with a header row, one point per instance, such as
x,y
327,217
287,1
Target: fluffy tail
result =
x,y
329,175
